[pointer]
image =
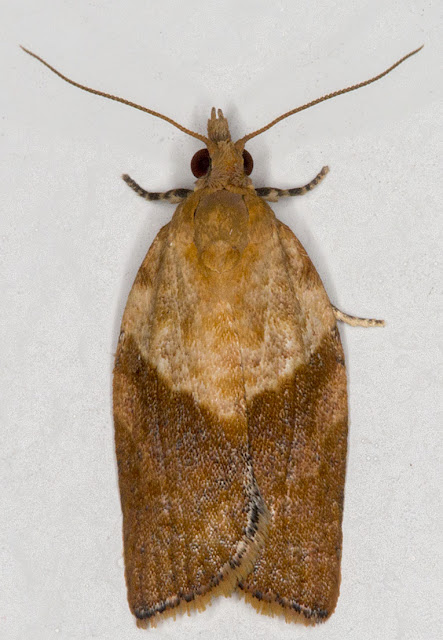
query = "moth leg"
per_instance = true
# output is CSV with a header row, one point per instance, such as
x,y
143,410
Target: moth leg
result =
x,y
273,195
173,196
357,322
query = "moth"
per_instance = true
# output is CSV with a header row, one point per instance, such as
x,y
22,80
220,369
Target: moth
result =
x,y
230,400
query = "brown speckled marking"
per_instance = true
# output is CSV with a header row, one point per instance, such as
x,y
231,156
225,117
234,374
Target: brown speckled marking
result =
x,y
298,446
193,518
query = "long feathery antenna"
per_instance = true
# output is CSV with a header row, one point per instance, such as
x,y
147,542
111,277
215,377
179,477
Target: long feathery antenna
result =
x,y
328,97
117,99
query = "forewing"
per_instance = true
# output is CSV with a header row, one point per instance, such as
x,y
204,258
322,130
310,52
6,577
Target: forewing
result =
x,y
297,438
191,509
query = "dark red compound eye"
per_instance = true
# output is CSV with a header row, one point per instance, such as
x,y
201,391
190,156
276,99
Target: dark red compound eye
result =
x,y
248,162
200,163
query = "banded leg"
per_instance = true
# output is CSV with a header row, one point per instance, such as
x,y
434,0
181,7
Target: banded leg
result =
x,y
353,321
273,195
174,196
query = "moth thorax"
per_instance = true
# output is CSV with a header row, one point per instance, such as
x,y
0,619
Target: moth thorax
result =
x,y
221,230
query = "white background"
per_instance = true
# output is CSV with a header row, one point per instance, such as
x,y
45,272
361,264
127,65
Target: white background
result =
x,y
73,235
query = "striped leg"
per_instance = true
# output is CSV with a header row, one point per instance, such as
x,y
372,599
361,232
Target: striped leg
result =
x,y
272,194
357,322
173,196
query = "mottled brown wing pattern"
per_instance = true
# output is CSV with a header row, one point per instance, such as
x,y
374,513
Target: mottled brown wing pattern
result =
x,y
192,514
229,388
298,438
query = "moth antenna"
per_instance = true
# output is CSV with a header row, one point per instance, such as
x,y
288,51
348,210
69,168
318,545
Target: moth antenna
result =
x,y
328,97
117,99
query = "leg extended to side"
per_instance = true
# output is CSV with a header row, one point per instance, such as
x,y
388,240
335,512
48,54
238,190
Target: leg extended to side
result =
x,y
357,322
272,194
174,196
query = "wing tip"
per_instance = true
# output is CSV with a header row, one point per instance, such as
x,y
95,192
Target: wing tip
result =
x,y
232,572
272,605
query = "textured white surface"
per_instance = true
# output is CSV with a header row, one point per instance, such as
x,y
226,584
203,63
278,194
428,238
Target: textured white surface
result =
x,y
73,235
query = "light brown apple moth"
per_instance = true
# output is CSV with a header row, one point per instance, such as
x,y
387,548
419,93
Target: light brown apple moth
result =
x,y
230,399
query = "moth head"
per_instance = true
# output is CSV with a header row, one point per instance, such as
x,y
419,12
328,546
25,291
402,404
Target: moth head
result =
x,y
223,161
